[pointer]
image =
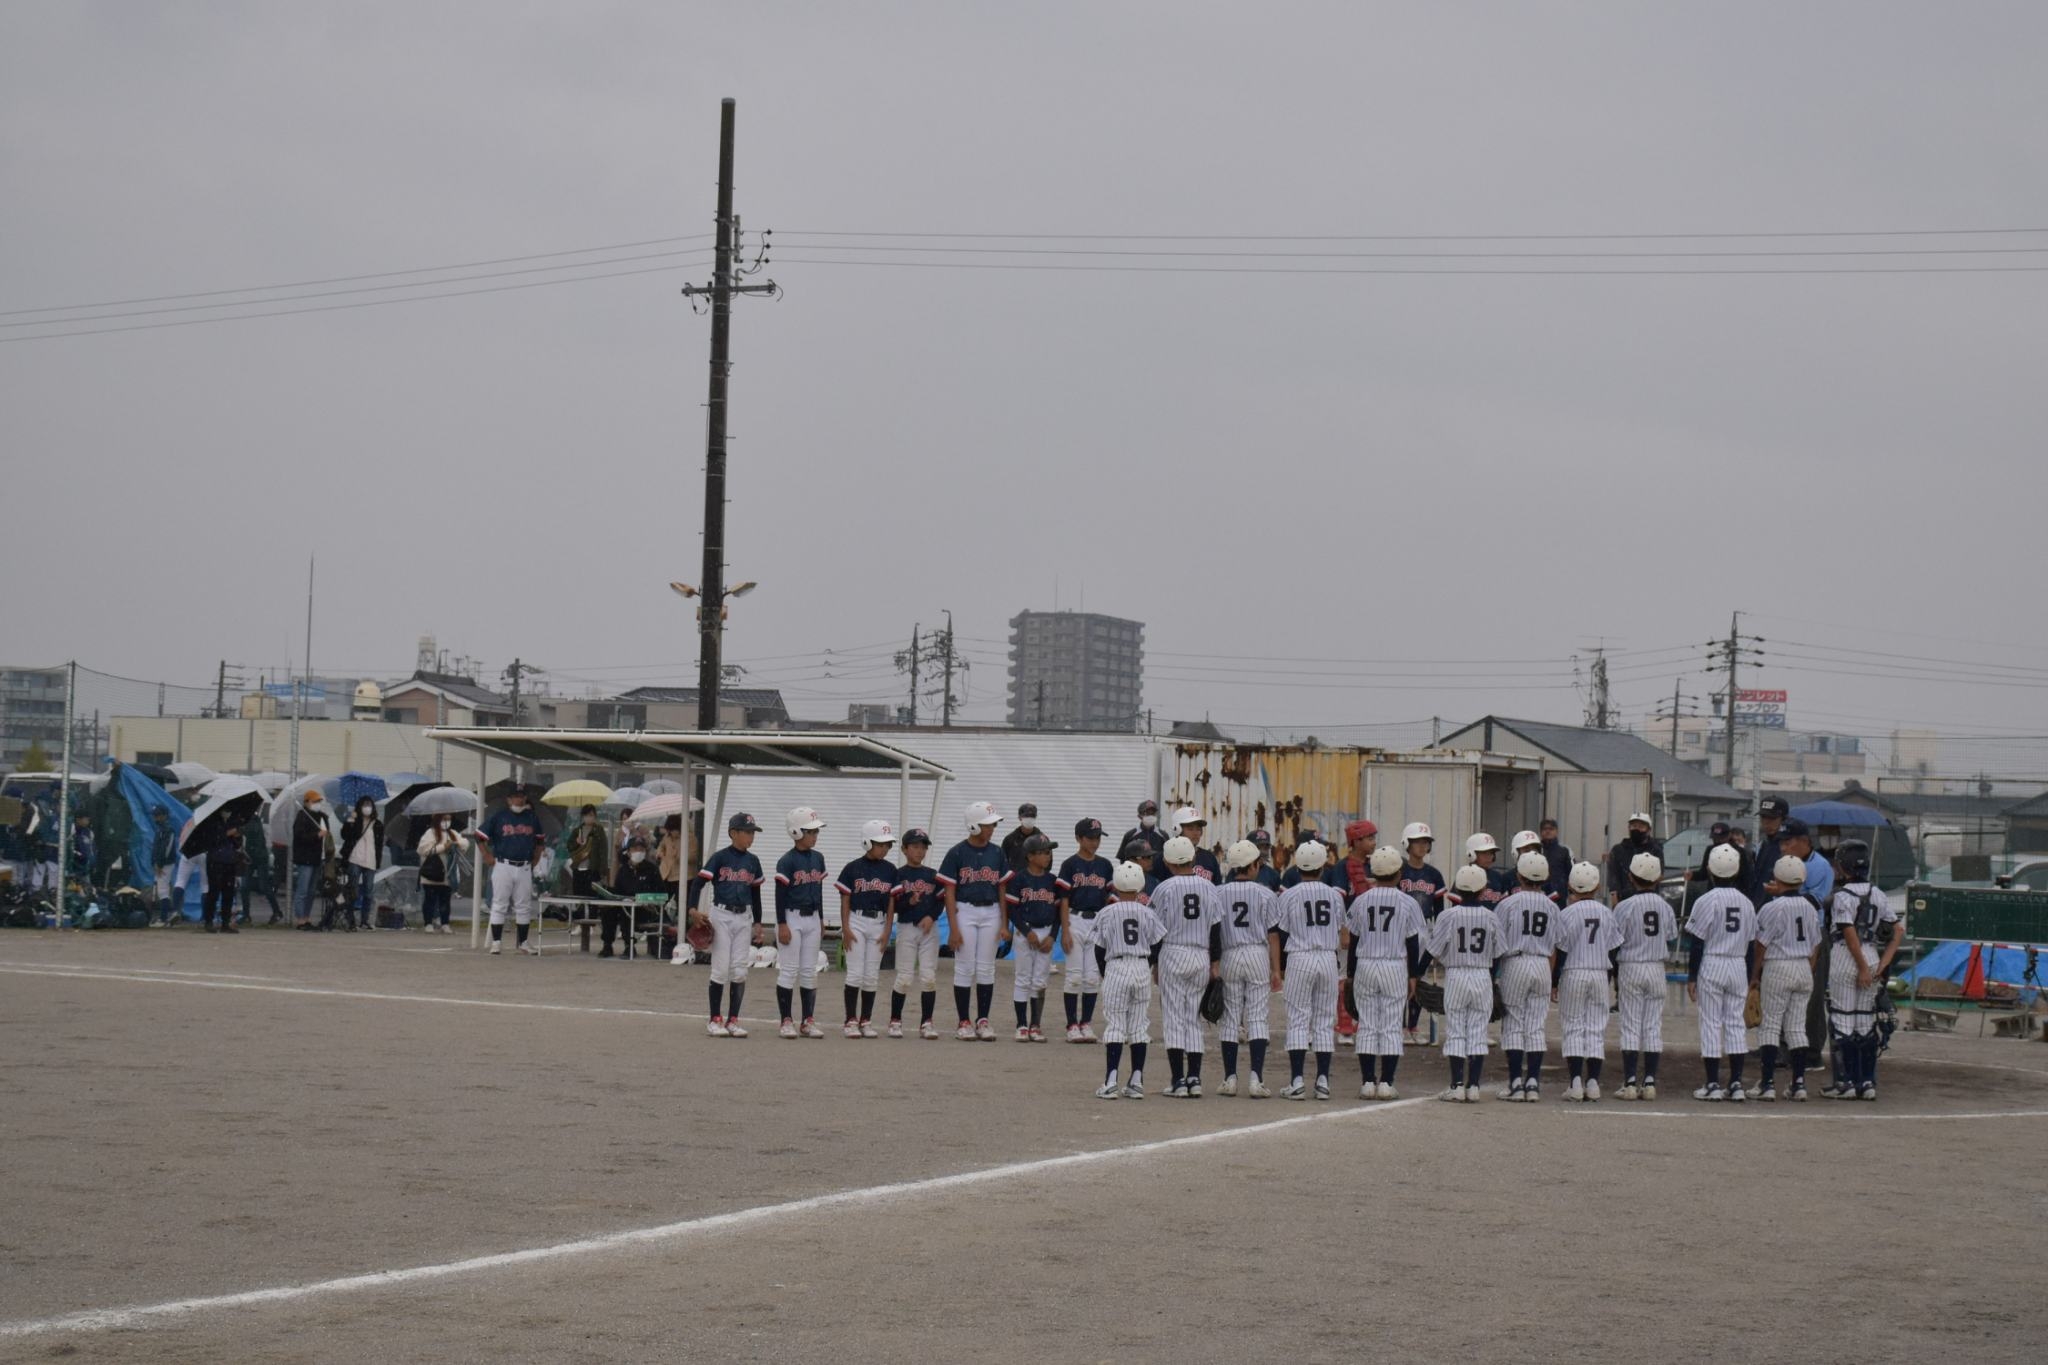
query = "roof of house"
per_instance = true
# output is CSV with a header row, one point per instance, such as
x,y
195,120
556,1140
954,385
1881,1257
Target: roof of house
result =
x,y
457,688
752,698
1608,751
1968,804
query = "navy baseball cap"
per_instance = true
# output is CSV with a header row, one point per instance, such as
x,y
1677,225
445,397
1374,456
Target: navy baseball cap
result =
x,y
1261,838
521,789
742,822
1136,850
1038,843
1776,805
917,836
1718,828
1795,829
1090,828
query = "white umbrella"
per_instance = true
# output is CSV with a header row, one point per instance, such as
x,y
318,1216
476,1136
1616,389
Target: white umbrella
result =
x,y
228,782
661,786
285,806
191,774
272,781
658,808
626,798
442,801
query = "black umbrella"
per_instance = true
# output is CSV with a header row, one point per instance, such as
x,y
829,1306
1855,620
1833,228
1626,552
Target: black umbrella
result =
x,y
233,802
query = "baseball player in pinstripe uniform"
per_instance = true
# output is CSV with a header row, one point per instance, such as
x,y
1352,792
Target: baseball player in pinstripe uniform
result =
x,y
1788,928
1189,958
1305,925
734,876
1719,933
1251,963
1126,936
1586,939
867,902
1644,924
1383,930
1465,938
800,922
1866,936
1527,922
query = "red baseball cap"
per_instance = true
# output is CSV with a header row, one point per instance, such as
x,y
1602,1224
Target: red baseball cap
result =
x,y
1360,829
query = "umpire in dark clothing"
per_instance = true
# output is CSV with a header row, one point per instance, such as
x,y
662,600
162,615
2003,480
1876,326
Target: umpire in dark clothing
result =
x,y
1557,855
1637,840
1770,818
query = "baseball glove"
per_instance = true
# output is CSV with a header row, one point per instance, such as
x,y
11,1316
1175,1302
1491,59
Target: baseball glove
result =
x,y
1752,1009
1430,996
1212,1001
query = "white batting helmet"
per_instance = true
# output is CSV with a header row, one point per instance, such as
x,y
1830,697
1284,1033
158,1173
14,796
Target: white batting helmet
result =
x,y
1533,867
1646,867
1179,851
1187,815
802,818
1789,871
1385,862
1724,861
1129,877
1471,879
1525,839
981,813
878,832
1243,853
1311,856
1584,877
1418,830
1479,843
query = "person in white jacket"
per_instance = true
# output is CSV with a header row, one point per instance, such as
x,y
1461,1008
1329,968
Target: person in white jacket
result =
x,y
437,850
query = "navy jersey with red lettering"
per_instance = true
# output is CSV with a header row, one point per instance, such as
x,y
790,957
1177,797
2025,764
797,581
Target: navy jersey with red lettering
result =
x,y
1085,884
918,895
735,881
975,874
513,835
1426,884
870,884
1034,901
799,883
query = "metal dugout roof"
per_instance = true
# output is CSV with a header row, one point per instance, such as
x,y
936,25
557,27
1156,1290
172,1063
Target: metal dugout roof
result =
x,y
727,752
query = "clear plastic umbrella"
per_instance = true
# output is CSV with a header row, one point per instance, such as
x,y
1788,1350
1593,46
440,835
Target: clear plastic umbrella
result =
x,y
190,775
443,801
284,807
658,808
661,786
626,798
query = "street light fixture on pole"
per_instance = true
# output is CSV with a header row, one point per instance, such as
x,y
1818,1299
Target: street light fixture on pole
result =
x,y
710,627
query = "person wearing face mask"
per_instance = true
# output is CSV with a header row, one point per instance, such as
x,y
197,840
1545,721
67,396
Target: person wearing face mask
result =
x,y
1147,829
362,839
1637,843
588,854
1013,842
437,849
638,875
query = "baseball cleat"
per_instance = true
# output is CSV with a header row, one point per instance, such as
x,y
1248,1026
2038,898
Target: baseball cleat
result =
x,y
1368,1091
984,1031
1023,1035
1346,1039
530,948
1592,1090
1736,1094
1087,1033
1454,1095
716,1028
965,1033
895,1028
1294,1090
1177,1091
1868,1092
497,946
852,1029
788,1029
1629,1091
1073,1033
1135,1090
1532,1091
867,1029
1797,1094
1834,1090
1766,1093
928,1030
1195,1088
1037,1034
1711,1093
1108,1090
734,1029
1228,1089
1576,1091
1649,1090
810,1029
1387,1091
1512,1091
1471,1094
1322,1087
1257,1089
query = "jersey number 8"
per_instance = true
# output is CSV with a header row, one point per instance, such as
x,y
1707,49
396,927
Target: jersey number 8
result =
x,y
1191,905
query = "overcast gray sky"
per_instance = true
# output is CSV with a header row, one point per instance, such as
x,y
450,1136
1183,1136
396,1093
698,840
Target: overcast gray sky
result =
x,y
1380,467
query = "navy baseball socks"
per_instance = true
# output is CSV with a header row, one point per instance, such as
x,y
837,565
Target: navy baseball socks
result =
x,y
963,1000
784,1000
718,1000
852,994
1457,1072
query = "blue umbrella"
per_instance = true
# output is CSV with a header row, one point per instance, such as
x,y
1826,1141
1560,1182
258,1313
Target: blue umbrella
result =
x,y
1838,813
352,787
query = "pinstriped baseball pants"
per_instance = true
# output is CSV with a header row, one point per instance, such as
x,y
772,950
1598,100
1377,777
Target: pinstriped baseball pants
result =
x,y
1247,982
1183,972
1380,990
1642,1006
1311,992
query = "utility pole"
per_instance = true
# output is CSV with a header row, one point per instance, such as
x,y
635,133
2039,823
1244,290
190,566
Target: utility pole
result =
x,y
1041,703
711,611
1598,713
946,656
301,688
1728,654
1679,697
907,662
220,687
516,670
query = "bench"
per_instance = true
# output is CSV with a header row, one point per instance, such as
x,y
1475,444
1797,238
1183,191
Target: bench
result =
x,y
1927,1020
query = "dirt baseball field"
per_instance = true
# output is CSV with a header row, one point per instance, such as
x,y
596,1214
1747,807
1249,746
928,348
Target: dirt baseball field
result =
x,y
279,1147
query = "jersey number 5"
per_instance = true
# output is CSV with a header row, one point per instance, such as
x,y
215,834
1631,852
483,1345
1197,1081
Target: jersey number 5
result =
x,y
1733,920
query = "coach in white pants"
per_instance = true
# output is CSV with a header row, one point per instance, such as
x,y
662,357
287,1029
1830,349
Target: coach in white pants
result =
x,y
512,839
1527,923
1719,933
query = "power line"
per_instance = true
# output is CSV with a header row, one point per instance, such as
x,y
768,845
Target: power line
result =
x,y
1402,270
1426,236
1822,252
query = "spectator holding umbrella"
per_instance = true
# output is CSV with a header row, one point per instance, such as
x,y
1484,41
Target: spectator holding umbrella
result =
x,y
362,843
261,879
224,864
589,848
437,850
310,841
668,854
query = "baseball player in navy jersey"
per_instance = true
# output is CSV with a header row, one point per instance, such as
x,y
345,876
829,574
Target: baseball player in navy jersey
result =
x,y
1426,885
1528,925
867,897
1482,852
734,876
1788,929
1140,852
1032,901
1865,933
919,898
1644,925
1189,959
973,875
1191,825
1466,940
799,922
1383,929
1268,875
1587,937
1084,890
1251,963
1127,941
1306,922
512,841
1719,933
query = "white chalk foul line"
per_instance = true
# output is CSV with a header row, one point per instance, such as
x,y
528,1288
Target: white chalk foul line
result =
x,y
134,1315
1853,1114
151,971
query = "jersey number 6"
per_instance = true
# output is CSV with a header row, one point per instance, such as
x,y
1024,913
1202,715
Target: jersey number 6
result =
x,y
1130,933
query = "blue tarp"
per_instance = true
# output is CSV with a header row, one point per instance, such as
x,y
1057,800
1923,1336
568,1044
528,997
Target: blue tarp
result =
x,y
1950,961
1838,813
144,795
